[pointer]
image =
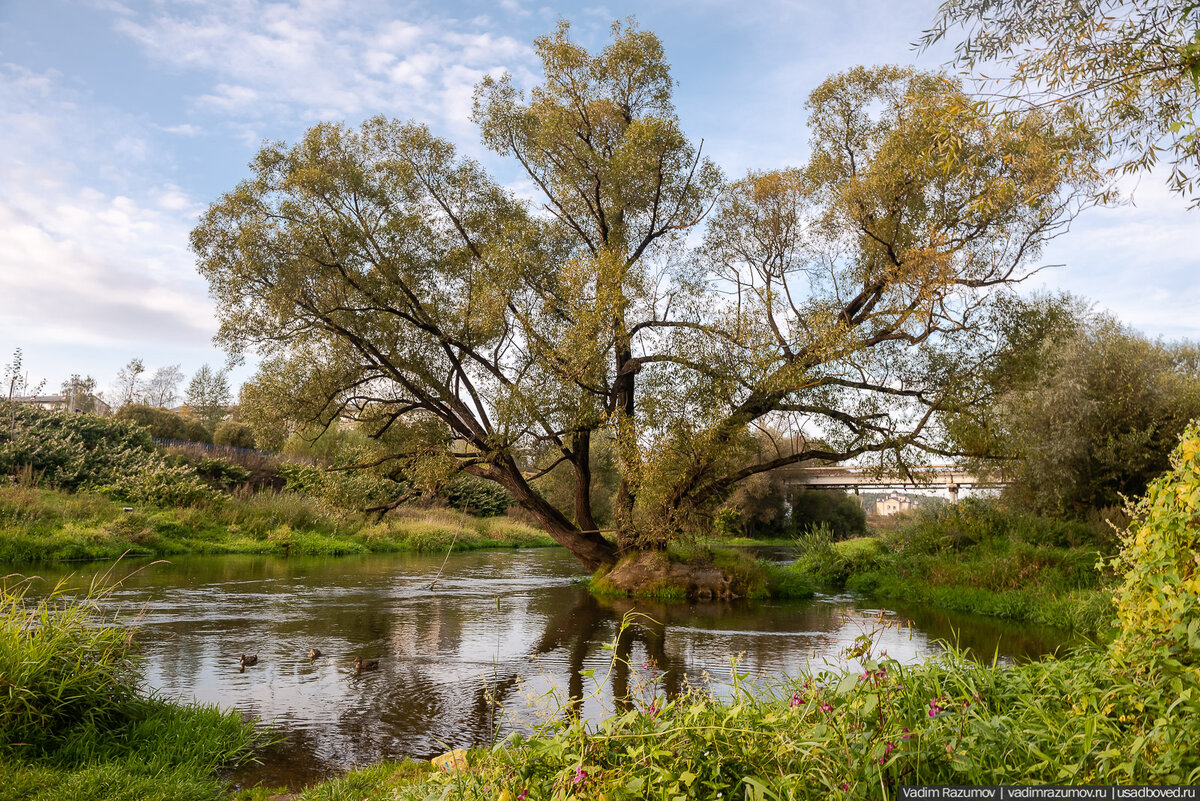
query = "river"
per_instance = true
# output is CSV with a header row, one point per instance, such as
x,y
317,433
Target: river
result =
x,y
514,626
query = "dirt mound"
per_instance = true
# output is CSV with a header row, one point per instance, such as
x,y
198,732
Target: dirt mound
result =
x,y
652,573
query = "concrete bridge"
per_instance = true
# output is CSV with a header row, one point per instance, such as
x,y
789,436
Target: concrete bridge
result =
x,y
950,477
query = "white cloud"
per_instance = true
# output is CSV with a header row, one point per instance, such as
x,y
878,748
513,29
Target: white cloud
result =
x,y
185,129
94,255
1138,261
317,60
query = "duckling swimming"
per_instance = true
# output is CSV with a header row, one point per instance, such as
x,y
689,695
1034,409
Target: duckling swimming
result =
x,y
360,665
313,653
248,660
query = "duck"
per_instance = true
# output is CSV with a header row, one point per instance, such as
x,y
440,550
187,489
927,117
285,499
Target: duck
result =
x,y
360,665
249,660
313,653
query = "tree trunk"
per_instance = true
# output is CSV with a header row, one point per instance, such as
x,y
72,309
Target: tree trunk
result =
x,y
583,481
627,539
589,547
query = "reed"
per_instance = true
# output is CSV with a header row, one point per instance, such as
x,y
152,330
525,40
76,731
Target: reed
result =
x,y
74,721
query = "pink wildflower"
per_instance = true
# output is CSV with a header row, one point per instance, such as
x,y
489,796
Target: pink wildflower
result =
x,y
580,775
934,708
521,796
907,734
796,700
826,707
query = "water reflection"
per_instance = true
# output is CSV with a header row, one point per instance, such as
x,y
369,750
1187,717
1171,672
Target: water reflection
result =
x,y
513,626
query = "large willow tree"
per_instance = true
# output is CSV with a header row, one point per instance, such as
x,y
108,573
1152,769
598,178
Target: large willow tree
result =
x,y
641,301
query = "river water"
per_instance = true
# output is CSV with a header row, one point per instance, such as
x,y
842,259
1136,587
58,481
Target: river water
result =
x,y
509,630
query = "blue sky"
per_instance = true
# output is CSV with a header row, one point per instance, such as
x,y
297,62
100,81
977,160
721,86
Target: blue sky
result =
x,y
121,121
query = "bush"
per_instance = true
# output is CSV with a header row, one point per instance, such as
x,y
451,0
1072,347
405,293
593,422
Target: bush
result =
x,y
1158,604
221,472
196,432
160,423
234,434
70,451
85,452
840,511
479,497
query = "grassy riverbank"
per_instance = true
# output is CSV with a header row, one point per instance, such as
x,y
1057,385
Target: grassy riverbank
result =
x,y
42,524
75,724
980,558
1069,721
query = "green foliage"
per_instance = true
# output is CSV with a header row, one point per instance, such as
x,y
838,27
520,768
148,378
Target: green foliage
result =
x,y
830,563
234,434
1158,603
840,511
198,432
1132,66
61,666
86,452
480,498
160,423
977,557
40,525
69,450
304,479
1099,420
222,472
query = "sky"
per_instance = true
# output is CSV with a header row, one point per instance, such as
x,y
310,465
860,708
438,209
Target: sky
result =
x,y
121,121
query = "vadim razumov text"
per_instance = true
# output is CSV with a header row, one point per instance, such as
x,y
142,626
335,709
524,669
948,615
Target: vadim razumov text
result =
x,y
997,792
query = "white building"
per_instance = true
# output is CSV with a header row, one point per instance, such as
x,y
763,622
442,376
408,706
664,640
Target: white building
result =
x,y
893,503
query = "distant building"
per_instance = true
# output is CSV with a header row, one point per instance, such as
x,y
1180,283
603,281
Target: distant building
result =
x,y
893,503
60,403
55,403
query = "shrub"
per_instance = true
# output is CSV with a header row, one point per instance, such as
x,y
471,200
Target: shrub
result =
x,y
233,434
479,497
223,473
86,452
300,478
197,432
70,451
841,512
160,423
1158,604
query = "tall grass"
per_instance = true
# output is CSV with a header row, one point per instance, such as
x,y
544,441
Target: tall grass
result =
x,y
41,525
976,557
61,665
74,722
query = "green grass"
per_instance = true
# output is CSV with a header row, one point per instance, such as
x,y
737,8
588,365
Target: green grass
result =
x,y
977,558
48,525
74,722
